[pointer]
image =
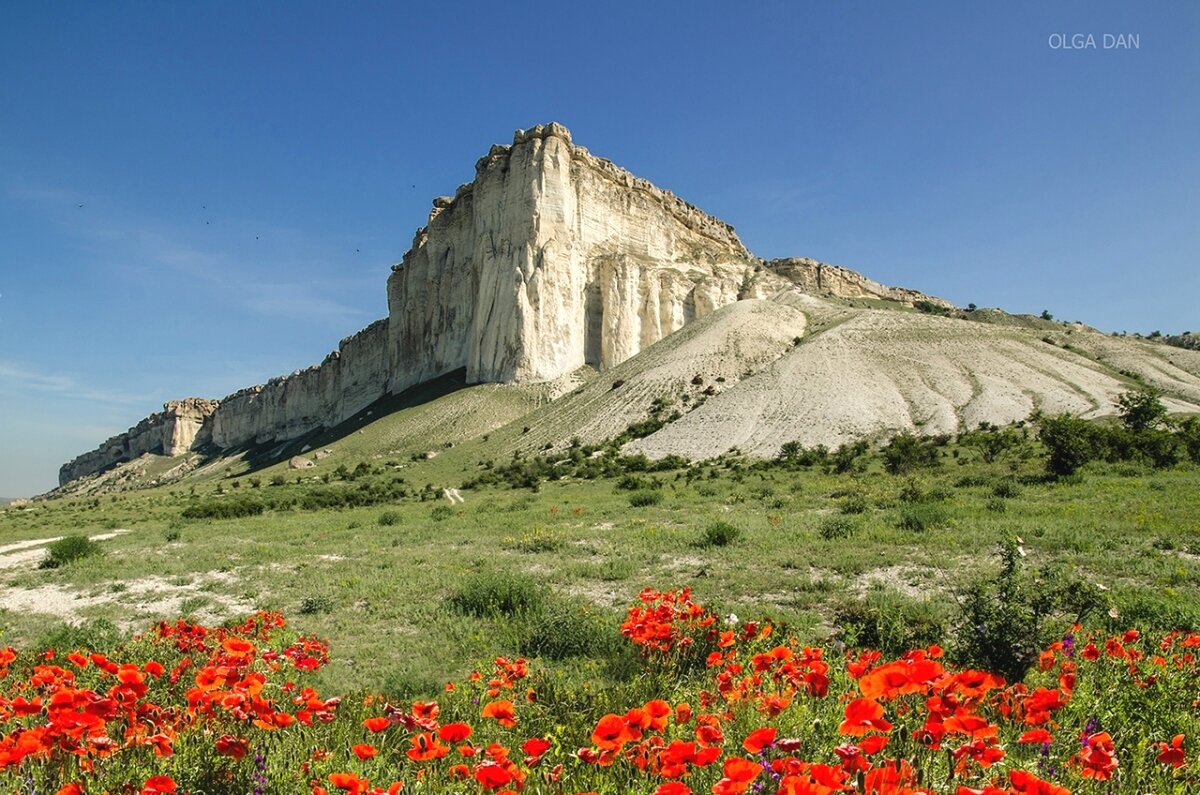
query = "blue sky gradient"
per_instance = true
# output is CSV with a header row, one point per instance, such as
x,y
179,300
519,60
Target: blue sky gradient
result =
x,y
195,198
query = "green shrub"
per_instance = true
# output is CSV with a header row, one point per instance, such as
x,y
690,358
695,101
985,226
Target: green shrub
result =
x,y
1141,409
67,550
922,517
569,629
311,605
495,594
1006,489
224,509
906,452
389,518
837,527
441,512
719,534
97,634
996,505
644,498
854,504
1070,443
889,622
1008,618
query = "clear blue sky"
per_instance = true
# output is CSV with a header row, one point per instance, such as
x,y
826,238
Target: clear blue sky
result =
x,y
249,171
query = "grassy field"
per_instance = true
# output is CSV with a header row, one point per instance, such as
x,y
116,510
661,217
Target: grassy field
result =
x,y
863,556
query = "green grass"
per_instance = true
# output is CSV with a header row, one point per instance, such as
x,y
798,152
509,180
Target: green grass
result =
x,y
374,586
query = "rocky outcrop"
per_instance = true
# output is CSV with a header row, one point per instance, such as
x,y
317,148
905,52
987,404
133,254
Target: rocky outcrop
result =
x,y
820,278
549,260
180,426
349,380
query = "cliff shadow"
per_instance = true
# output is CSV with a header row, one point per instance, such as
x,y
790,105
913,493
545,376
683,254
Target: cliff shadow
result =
x,y
270,453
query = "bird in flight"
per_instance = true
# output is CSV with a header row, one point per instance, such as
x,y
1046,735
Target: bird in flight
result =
x,y
79,205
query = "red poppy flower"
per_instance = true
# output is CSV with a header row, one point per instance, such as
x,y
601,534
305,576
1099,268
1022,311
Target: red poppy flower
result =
x,y
364,751
1098,760
376,724
1026,783
159,785
658,712
492,775
535,746
759,739
1037,736
1172,754
236,747
349,782
739,773
454,732
612,732
502,711
673,788
864,715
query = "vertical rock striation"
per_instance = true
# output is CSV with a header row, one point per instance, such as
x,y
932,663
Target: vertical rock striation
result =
x,y
551,259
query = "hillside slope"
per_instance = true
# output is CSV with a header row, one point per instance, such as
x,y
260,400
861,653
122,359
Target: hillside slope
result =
x,y
875,372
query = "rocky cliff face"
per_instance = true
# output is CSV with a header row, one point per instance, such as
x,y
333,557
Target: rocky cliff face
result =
x,y
820,278
350,379
180,426
549,260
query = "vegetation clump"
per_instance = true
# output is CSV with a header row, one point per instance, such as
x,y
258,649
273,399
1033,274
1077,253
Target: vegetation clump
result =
x,y
68,550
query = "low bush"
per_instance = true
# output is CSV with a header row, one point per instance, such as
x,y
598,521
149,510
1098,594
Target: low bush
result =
x,y
67,550
854,504
569,629
644,498
224,509
889,622
719,534
496,594
837,527
921,517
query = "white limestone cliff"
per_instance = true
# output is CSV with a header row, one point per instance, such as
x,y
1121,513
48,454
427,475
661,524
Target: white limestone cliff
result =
x,y
180,426
552,259
549,260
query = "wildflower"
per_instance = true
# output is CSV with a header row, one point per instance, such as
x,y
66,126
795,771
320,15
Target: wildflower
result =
x,y
1172,754
454,732
502,711
738,775
159,785
1097,759
864,715
759,739
364,751
349,782
235,747
376,724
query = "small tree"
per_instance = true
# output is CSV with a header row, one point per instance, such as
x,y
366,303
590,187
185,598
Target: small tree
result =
x,y
1046,315
1141,409
906,452
1070,443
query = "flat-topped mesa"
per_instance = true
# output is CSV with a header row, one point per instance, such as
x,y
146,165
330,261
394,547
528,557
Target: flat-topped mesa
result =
x,y
180,426
820,278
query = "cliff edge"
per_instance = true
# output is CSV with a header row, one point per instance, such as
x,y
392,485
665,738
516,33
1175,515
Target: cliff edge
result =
x,y
550,259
